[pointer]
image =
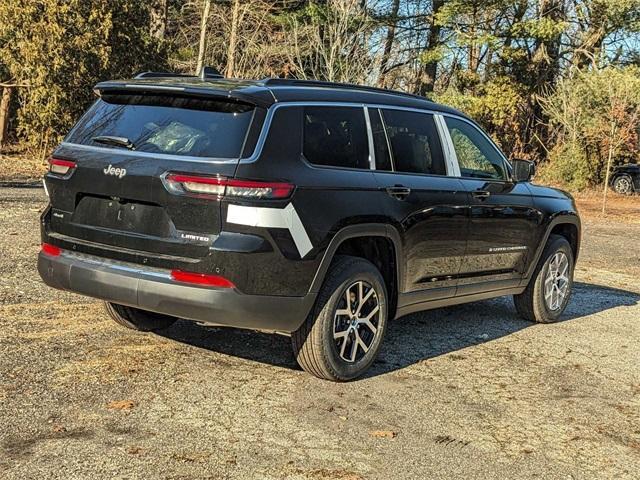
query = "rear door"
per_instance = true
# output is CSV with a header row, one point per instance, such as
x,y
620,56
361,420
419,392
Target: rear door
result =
x,y
428,207
120,192
503,220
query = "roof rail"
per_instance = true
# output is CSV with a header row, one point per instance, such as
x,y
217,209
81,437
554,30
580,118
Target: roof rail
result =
x,y
160,75
292,82
205,73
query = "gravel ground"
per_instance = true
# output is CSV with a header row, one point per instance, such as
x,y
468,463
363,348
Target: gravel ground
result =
x,y
466,392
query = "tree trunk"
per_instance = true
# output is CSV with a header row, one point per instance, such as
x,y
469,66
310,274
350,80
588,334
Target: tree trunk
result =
x,y
203,35
609,160
546,62
388,44
158,19
4,114
233,39
430,69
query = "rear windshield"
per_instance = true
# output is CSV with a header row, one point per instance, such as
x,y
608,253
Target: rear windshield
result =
x,y
169,125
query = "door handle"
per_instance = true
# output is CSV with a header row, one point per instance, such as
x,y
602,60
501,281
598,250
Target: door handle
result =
x,y
480,194
398,192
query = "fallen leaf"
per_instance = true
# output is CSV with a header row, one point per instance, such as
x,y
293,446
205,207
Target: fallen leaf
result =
x,y
383,434
121,405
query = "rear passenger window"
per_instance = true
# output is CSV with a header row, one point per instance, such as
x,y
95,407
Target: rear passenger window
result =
x,y
414,141
336,136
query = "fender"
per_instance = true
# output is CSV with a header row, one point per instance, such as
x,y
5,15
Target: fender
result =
x,y
353,231
566,217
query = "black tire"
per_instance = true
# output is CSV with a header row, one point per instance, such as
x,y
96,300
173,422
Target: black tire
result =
x,y
136,319
623,184
314,345
531,304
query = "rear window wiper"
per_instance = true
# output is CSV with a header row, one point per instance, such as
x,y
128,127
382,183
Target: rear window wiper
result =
x,y
116,141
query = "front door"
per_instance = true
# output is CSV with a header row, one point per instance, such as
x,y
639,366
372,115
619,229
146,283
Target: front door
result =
x,y
427,206
503,220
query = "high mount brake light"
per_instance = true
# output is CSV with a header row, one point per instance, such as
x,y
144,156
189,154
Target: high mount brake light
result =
x,y
58,166
222,186
51,250
201,279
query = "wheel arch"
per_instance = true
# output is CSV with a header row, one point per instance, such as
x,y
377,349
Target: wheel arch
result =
x,y
566,225
618,175
377,243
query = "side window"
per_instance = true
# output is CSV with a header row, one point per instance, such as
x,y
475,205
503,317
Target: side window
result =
x,y
477,157
415,144
336,136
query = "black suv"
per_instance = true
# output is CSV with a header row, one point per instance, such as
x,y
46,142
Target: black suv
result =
x,y
625,179
313,209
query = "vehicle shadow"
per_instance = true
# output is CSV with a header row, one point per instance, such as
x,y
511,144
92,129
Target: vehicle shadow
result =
x,y
413,338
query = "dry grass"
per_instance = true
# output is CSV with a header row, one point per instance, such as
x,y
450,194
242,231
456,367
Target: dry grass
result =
x,y
621,208
19,165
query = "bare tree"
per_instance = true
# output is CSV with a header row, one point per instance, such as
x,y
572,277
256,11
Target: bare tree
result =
x,y
333,46
4,112
389,42
203,35
233,38
623,114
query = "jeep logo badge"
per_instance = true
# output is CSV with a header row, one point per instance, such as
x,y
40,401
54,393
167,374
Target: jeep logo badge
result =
x,y
116,172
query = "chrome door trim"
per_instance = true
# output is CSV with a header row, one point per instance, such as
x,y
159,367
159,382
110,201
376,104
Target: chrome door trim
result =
x,y
450,156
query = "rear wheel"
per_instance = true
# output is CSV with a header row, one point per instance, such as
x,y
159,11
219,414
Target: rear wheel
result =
x,y
343,333
623,185
548,292
137,319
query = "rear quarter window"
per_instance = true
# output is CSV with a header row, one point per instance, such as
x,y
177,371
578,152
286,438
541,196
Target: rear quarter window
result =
x,y
167,125
336,136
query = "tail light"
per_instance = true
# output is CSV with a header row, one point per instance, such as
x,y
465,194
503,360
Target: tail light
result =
x,y
51,250
221,186
201,279
61,167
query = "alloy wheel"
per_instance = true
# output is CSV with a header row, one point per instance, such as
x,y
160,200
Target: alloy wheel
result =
x,y
356,321
623,185
556,283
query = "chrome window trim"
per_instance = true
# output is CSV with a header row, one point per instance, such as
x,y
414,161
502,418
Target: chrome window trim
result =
x,y
451,158
372,151
266,126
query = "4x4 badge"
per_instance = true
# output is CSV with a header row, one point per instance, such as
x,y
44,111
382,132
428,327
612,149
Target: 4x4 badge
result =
x,y
116,172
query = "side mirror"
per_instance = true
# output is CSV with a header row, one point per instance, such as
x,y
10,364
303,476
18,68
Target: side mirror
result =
x,y
523,170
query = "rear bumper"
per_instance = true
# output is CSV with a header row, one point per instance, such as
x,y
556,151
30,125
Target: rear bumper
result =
x,y
154,290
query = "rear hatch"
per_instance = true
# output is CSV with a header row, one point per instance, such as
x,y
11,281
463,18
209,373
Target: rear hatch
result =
x,y
116,190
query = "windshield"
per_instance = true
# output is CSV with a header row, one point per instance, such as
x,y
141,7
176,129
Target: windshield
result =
x,y
166,124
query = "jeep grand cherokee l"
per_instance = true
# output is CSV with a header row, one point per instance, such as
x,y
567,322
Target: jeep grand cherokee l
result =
x,y
313,209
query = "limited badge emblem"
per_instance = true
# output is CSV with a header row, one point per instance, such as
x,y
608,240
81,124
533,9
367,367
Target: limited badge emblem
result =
x,y
116,172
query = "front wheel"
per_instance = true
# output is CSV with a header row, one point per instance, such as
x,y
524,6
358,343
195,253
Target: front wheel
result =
x,y
623,185
548,292
343,333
